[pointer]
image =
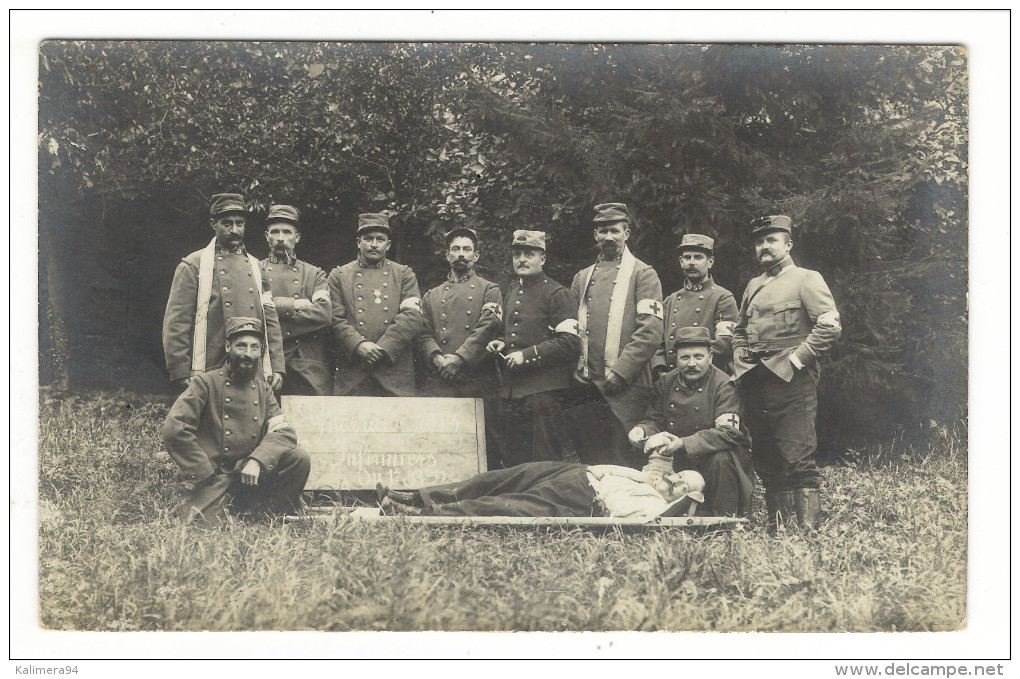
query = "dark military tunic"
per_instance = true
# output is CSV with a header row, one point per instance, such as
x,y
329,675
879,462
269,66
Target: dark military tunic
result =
x,y
216,425
540,320
233,294
461,316
707,417
601,420
787,317
706,306
381,304
305,330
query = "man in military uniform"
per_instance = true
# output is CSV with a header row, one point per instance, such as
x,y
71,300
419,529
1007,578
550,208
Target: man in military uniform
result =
x,y
210,287
301,297
461,316
230,439
376,316
700,303
539,346
787,322
620,316
694,421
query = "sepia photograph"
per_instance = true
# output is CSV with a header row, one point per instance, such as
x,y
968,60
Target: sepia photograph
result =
x,y
635,337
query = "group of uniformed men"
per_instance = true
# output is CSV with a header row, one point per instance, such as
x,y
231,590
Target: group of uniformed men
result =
x,y
606,371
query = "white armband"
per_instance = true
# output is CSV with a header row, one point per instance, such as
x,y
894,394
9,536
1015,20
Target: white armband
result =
x,y
569,326
267,299
829,319
650,306
728,420
724,328
411,303
321,296
275,423
496,309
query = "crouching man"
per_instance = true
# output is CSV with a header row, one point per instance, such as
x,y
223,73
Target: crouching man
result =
x,y
550,488
229,437
694,419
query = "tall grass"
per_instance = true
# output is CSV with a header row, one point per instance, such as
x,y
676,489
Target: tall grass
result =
x,y
891,555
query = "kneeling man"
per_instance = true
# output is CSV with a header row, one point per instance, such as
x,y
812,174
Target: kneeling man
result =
x,y
550,488
229,437
695,419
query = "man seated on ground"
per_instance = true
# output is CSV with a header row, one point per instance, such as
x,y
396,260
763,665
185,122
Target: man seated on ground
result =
x,y
549,488
694,418
229,437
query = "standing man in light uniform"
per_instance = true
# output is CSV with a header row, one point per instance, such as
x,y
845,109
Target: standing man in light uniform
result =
x,y
301,297
376,316
787,322
539,347
620,317
462,315
211,286
700,303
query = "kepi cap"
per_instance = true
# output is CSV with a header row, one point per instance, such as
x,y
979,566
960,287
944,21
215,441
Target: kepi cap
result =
x,y
374,221
611,212
283,213
768,223
226,203
528,239
696,241
238,325
460,231
693,335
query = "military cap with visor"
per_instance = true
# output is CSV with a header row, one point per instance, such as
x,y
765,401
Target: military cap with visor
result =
x,y
239,325
696,241
227,203
767,223
283,213
528,239
374,221
608,213
460,231
693,335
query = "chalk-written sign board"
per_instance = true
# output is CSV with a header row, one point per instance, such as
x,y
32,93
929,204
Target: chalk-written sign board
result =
x,y
356,442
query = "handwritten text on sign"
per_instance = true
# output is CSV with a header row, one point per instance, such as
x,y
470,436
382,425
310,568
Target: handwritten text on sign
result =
x,y
356,442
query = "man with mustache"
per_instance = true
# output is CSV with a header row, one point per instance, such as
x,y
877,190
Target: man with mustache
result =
x,y
700,303
620,316
211,286
230,439
787,322
461,316
301,297
376,316
539,345
694,421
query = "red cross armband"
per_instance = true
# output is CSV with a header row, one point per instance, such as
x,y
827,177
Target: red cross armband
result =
x,y
728,420
496,309
650,306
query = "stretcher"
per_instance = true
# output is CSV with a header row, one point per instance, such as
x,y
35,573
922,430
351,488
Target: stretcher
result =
x,y
375,515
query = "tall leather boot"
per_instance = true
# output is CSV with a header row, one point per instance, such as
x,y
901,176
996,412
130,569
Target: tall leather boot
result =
x,y
808,504
779,508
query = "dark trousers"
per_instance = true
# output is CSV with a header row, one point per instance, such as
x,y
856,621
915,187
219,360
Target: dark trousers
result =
x,y
370,387
278,492
531,489
729,482
533,429
598,435
781,419
311,381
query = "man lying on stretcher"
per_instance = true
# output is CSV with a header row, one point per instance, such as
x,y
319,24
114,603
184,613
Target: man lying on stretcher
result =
x,y
555,489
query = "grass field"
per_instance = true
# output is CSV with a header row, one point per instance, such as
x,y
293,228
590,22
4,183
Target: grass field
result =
x,y
891,556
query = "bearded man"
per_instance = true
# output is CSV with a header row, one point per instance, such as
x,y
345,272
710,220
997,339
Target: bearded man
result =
x,y
231,441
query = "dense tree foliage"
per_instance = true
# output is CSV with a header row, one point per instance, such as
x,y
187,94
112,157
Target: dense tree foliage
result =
x,y
864,146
